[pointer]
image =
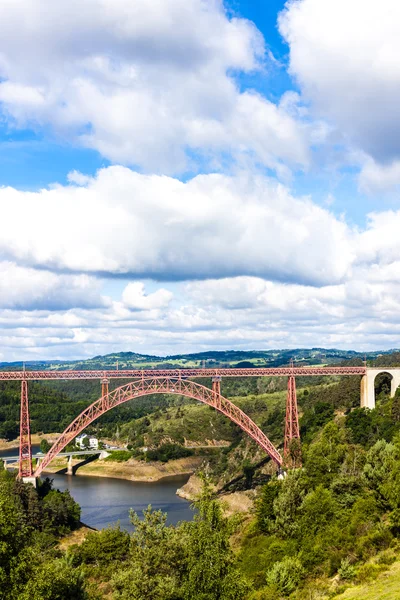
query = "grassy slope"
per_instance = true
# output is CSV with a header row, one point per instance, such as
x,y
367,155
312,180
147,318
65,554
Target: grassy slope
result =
x,y
386,587
199,423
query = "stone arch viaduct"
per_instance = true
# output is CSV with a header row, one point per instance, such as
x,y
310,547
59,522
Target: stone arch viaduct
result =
x,y
367,393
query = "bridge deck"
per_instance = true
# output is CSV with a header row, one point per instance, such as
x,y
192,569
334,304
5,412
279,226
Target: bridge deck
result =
x,y
181,373
76,453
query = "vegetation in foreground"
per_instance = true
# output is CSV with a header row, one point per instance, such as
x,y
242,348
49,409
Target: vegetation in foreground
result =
x,y
191,561
31,522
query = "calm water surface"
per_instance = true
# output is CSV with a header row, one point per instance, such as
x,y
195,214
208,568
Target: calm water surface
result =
x,y
105,501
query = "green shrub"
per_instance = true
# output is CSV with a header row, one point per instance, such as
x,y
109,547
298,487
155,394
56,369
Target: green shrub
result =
x,y
388,557
285,575
102,547
346,571
167,452
369,572
266,593
119,455
377,539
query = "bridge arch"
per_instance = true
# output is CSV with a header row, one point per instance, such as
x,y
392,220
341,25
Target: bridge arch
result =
x,y
368,384
159,385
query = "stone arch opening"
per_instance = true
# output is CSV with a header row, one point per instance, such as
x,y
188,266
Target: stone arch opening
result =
x,y
383,385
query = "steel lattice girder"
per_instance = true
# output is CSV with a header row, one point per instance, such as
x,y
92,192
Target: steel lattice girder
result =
x,y
182,373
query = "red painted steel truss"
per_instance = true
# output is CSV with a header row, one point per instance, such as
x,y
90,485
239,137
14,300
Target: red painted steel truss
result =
x,y
25,449
161,385
179,373
292,448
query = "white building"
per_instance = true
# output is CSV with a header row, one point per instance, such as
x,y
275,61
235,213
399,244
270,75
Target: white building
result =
x,y
83,441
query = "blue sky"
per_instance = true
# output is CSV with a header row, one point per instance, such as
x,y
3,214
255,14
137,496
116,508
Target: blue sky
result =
x,y
197,174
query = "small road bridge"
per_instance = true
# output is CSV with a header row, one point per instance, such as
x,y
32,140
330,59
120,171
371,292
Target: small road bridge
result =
x,y
180,381
39,455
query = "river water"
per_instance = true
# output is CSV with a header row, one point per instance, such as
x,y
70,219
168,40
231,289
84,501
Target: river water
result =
x,y
105,501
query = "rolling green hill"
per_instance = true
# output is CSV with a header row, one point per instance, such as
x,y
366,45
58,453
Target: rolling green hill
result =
x,y
226,358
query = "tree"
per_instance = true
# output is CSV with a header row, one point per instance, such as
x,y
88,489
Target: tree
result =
x,y
396,406
265,505
9,430
44,446
30,502
380,461
288,502
14,539
61,510
55,580
103,547
211,573
154,567
285,575
318,509
359,421
325,455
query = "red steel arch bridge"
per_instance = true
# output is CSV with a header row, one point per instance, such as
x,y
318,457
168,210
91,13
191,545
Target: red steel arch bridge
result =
x,y
167,381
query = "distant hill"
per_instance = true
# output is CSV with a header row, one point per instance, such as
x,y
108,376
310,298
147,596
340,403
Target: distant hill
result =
x,y
212,358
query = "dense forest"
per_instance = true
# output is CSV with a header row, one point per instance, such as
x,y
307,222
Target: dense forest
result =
x,y
31,523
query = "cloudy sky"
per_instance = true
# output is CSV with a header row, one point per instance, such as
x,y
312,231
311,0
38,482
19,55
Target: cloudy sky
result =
x,y
183,175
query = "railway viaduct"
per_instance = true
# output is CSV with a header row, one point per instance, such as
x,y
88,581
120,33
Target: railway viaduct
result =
x,y
180,381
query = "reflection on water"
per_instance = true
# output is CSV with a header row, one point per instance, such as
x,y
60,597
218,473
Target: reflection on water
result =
x,y
105,501
15,451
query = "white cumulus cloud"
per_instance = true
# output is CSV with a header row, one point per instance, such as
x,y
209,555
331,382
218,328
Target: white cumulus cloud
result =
x,y
27,288
146,83
125,223
134,297
376,177
344,55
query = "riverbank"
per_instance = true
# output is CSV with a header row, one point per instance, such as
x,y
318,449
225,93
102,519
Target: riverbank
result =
x,y
233,503
35,439
131,470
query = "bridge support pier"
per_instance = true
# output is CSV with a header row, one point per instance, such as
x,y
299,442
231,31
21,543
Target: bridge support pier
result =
x,y
70,469
104,390
292,447
25,449
216,388
394,384
367,392
32,480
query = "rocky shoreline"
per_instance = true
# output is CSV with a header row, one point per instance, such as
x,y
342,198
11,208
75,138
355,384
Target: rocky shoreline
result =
x,y
132,470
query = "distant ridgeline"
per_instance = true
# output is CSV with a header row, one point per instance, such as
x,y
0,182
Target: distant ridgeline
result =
x,y
223,358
